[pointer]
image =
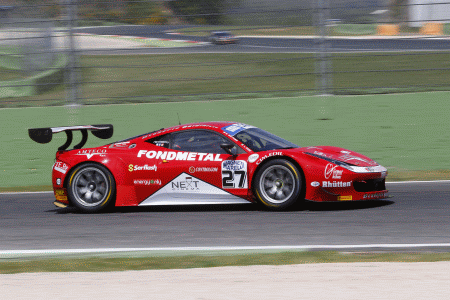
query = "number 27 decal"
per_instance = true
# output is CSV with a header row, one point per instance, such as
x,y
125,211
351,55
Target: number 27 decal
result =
x,y
234,174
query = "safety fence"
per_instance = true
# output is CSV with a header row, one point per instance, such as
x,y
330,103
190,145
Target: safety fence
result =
x,y
89,52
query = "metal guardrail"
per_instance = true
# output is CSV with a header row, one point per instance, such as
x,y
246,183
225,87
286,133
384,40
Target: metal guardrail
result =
x,y
42,64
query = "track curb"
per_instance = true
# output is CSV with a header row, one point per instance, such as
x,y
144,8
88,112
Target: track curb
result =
x,y
220,251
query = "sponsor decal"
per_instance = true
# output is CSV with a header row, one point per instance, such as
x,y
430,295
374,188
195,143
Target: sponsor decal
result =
x,y
58,181
60,192
91,152
252,158
161,143
345,151
332,171
120,145
267,156
202,169
188,183
172,155
329,184
344,198
197,126
60,195
315,183
147,181
374,196
236,128
234,174
233,165
61,167
132,168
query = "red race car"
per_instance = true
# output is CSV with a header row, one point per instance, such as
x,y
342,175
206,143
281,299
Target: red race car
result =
x,y
206,163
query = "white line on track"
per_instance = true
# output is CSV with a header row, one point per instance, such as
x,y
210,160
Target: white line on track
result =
x,y
18,193
219,248
411,181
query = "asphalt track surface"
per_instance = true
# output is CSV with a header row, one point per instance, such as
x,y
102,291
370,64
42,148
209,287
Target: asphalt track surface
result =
x,y
266,44
418,213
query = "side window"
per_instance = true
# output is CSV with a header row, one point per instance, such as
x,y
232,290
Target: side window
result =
x,y
202,141
160,141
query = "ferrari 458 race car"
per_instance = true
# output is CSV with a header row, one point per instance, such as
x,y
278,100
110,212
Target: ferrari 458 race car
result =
x,y
206,163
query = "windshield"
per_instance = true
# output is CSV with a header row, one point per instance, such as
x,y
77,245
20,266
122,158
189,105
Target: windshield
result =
x,y
225,34
260,140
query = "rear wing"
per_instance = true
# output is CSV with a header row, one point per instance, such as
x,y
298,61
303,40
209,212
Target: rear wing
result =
x,y
44,135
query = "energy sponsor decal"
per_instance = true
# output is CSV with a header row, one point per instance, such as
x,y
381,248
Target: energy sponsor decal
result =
x,y
91,152
147,181
236,128
331,171
193,169
61,167
132,168
186,183
345,198
172,155
267,156
329,184
234,174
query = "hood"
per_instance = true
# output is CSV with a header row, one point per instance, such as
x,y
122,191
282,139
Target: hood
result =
x,y
340,154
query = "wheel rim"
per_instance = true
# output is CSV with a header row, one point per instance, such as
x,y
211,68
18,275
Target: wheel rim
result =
x,y
277,184
90,186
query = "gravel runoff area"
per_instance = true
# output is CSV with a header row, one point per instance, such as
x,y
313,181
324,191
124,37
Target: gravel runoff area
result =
x,y
307,281
96,42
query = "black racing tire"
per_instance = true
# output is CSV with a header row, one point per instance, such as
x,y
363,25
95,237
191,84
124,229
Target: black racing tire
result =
x,y
278,185
91,187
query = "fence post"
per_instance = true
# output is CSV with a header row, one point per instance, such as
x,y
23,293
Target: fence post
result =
x,y
72,71
323,61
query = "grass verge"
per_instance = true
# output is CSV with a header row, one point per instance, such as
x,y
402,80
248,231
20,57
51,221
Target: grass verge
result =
x,y
407,133
180,77
101,264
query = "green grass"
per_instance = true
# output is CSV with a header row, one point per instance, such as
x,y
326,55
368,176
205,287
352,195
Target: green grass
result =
x,y
7,74
251,30
156,78
335,30
101,264
407,133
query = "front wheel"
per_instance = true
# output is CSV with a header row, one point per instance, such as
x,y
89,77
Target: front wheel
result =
x,y
91,187
278,184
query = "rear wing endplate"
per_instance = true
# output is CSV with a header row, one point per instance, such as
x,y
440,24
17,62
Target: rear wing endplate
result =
x,y
44,135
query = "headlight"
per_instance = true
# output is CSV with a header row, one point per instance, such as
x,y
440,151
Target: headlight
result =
x,y
353,168
331,160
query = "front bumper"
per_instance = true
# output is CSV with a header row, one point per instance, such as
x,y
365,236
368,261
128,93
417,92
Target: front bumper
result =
x,y
362,187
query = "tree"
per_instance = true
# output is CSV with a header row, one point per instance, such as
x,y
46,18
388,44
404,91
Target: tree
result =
x,y
200,11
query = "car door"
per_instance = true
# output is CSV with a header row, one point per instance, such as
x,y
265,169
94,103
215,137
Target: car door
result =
x,y
202,171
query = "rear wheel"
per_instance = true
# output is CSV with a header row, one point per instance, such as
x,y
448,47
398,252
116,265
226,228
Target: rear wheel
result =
x,y
278,184
91,187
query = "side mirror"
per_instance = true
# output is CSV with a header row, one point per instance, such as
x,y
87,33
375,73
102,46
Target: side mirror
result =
x,y
229,148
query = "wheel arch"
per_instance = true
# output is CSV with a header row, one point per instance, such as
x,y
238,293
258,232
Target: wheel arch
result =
x,y
70,173
289,159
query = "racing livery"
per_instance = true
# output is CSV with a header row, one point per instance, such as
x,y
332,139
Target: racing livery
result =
x,y
205,163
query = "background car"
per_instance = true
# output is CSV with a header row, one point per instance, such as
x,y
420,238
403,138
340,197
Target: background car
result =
x,y
223,37
206,163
